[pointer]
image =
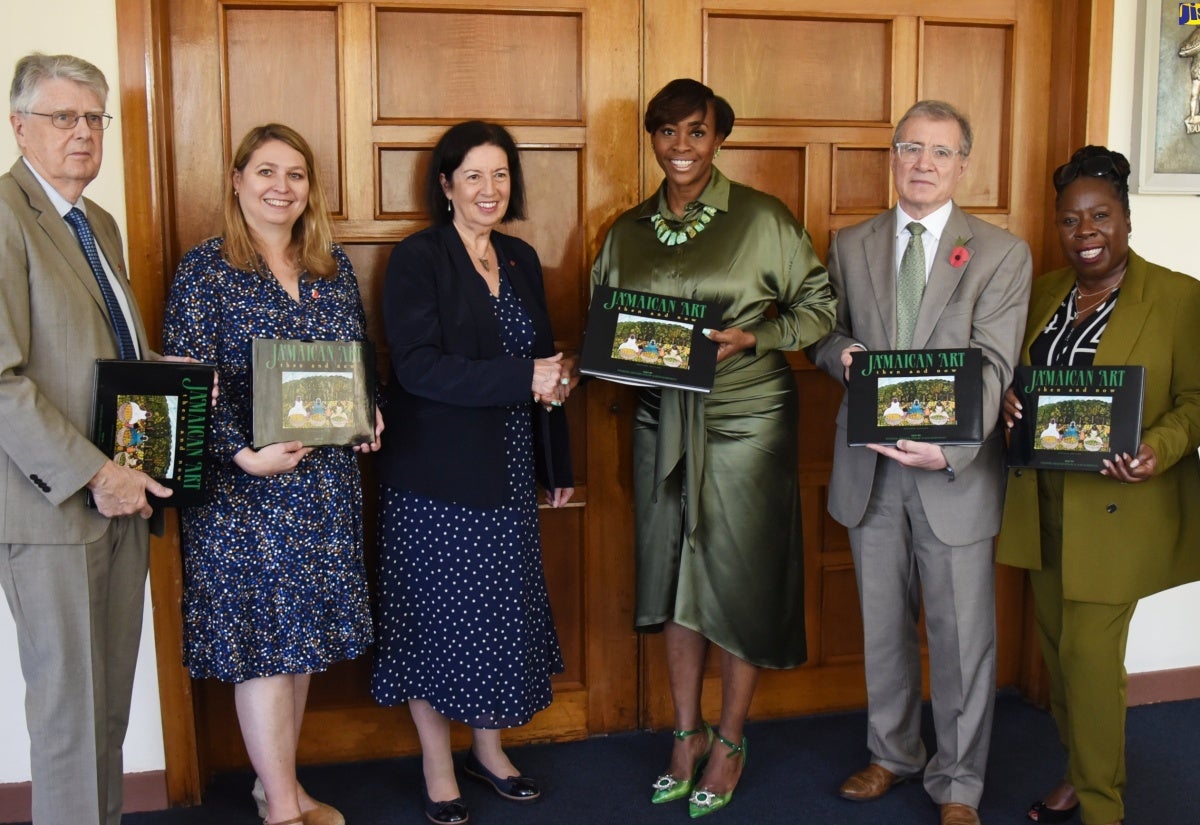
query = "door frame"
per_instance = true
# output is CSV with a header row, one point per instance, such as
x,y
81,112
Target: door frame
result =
x,y
1081,43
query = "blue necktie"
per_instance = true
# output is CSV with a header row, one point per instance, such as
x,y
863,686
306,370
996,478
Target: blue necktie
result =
x,y
84,232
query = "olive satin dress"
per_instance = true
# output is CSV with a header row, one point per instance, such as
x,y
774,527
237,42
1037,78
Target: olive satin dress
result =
x,y
719,546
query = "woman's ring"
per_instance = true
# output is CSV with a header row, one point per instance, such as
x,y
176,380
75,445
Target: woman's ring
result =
x,y
566,381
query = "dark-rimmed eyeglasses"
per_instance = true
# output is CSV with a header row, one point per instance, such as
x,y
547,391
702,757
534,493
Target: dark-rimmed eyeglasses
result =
x,y
96,121
1097,166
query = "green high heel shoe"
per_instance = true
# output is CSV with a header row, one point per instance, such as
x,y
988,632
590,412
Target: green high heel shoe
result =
x,y
704,802
668,788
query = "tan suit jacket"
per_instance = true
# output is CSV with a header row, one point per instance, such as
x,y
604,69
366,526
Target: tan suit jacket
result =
x,y
980,304
1125,541
53,326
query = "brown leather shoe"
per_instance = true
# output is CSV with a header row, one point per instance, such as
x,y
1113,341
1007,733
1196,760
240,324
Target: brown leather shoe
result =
x,y
956,813
871,782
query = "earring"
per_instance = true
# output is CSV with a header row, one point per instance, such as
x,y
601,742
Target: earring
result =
x,y
717,154
449,206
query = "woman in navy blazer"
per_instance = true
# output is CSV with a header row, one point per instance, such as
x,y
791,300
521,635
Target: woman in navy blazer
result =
x,y
465,631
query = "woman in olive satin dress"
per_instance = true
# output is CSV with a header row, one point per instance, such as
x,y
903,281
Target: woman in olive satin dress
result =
x,y
719,554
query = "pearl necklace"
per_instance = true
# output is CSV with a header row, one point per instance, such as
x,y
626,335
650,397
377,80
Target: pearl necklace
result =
x,y
691,228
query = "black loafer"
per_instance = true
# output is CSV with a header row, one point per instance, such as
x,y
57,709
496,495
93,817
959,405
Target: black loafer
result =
x,y
1040,812
514,788
453,812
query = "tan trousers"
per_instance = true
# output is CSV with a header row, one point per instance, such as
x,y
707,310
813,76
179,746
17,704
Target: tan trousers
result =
x,y
78,616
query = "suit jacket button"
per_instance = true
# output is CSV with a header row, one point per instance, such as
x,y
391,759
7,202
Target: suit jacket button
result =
x,y
1112,508
1017,473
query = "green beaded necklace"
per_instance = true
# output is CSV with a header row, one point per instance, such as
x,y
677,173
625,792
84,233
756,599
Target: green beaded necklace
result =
x,y
689,229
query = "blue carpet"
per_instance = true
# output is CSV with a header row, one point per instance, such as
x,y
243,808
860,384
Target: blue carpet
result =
x,y
793,773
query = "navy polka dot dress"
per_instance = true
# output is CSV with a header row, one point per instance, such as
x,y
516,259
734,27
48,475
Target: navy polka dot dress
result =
x,y
464,618
273,567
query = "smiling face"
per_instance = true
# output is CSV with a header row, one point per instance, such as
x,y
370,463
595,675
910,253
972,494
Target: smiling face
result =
x,y
1093,229
685,152
272,188
69,159
923,185
479,189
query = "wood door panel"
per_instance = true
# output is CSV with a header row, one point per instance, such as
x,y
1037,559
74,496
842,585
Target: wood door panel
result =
x,y
450,65
264,81
954,57
792,68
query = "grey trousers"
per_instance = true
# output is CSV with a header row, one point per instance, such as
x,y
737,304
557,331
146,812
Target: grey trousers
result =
x,y
898,562
78,616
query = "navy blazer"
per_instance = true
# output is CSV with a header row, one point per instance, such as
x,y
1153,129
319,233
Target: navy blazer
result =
x,y
450,379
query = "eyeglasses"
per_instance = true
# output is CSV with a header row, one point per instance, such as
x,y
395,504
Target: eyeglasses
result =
x,y
96,121
1097,166
911,152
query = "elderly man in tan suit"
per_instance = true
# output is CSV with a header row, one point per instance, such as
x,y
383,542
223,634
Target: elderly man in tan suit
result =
x,y
921,517
74,575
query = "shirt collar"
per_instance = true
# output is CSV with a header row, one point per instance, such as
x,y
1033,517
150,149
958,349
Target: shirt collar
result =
x,y
715,194
934,223
61,204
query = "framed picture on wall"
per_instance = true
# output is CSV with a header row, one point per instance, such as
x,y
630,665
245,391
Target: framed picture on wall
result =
x,y
1166,132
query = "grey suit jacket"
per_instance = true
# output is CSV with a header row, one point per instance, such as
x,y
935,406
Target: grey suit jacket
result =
x,y
980,304
53,326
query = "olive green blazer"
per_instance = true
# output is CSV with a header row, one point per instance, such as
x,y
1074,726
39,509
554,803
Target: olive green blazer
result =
x,y
1125,541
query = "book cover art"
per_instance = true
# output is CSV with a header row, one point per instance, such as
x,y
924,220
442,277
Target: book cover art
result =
x,y
646,339
1075,418
154,416
320,393
920,395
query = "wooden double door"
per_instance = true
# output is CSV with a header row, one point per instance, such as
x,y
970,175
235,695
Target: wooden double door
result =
x,y
817,86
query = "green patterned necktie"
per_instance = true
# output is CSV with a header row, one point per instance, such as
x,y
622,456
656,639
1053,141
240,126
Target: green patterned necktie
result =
x,y
910,286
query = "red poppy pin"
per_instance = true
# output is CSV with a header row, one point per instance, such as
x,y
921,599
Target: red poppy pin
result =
x,y
315,293
959,255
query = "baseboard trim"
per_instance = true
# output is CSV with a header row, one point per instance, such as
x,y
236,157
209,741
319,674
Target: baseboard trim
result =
x,y
1163,686
143,792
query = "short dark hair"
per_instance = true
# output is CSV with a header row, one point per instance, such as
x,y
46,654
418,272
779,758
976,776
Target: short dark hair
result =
x,y
1095,162
939,110
448,155
683,96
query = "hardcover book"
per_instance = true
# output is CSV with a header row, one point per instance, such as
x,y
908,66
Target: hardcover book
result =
x,y
320,393
933,395
1075,418
154,416
650,340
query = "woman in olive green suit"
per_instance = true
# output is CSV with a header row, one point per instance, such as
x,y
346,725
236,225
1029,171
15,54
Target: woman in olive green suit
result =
x,y
1095,543
719,555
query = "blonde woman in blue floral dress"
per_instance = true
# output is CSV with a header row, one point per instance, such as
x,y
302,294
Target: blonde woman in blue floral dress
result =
x,y
274,584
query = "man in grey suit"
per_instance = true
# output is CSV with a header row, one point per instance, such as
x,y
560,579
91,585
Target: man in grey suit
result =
x,y
74,576
922,517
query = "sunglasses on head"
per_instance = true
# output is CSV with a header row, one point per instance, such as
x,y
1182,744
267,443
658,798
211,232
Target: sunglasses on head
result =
x,y
1097,166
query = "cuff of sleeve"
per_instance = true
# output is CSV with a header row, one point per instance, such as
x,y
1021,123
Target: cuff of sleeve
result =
x,y
766,337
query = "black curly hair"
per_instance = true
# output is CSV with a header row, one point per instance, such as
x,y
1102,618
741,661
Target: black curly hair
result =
x,y
1095,162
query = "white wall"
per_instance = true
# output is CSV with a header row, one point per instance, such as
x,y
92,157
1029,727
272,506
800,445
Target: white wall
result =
x,y
86,28
1163,634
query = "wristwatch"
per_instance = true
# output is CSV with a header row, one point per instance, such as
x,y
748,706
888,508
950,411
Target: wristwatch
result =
x,y
949,471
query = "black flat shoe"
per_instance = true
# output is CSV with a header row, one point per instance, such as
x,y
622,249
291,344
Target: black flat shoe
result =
x,y
453,812
1038,812
514,788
